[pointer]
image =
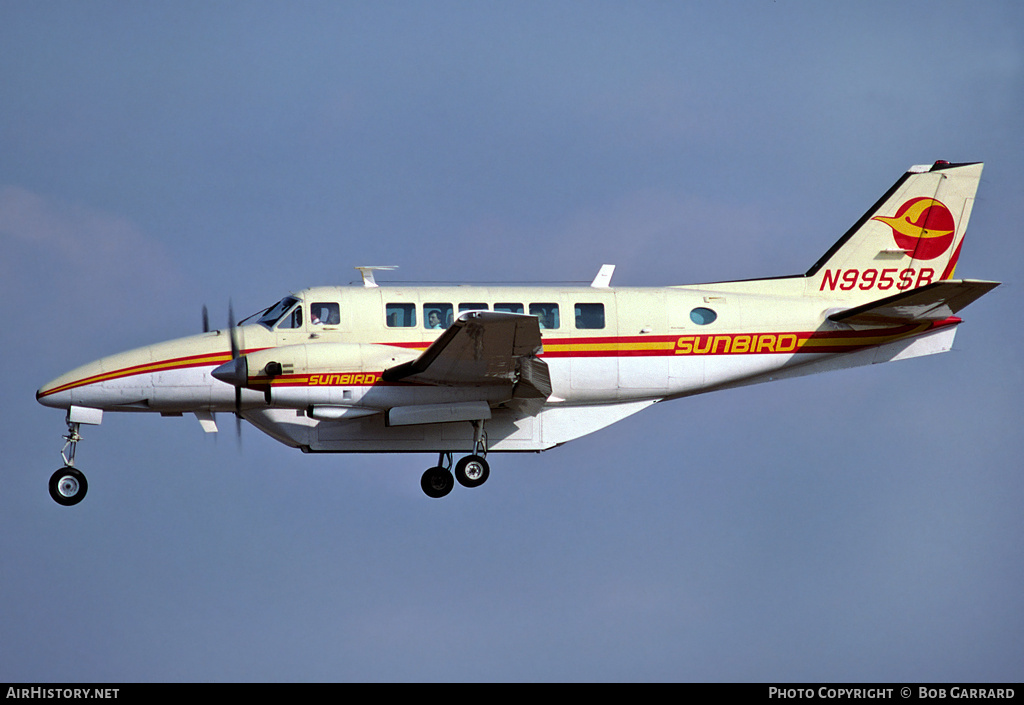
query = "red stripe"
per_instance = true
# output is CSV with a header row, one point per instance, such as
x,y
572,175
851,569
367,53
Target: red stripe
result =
x,y
948,271
844,341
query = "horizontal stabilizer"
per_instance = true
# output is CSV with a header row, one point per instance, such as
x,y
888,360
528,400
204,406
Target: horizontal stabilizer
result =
x,y
932,302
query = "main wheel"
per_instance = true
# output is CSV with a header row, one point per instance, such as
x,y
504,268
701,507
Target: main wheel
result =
x,y
472,471
68,486
437,482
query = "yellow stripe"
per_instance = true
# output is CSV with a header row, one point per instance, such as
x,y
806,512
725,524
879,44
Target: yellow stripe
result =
x,y
144,368
861,341
608,347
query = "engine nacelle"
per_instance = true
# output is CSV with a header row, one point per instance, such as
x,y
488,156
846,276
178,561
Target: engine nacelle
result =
x,y
300,376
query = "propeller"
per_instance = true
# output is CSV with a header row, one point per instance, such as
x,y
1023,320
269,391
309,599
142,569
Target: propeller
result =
x,y
235,372
206,320
236,360
233,330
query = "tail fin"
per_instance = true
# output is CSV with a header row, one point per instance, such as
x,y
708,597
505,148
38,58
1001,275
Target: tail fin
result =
x,y
909,239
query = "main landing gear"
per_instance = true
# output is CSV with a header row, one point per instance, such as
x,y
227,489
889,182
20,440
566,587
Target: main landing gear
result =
x,y
68,485
471,471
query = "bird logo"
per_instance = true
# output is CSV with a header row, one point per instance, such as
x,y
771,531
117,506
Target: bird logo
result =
x,y
923,227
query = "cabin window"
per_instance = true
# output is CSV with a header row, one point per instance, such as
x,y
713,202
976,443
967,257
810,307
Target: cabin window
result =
x,y
509,308
589,316
400,315
703,316
472,307
437,315
547,314
324,313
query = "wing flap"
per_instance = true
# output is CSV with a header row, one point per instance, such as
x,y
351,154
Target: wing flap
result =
x,y
479,348
933,302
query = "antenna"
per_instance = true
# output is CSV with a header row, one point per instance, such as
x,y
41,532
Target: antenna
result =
x,y
604,277
367,272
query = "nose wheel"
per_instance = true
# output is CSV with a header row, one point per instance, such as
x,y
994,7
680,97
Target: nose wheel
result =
x,y
68,486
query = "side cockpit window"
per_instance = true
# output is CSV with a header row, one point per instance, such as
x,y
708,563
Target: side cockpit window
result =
x,y
293,319
324,313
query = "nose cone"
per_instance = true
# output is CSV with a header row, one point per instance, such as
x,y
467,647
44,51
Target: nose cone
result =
x,y
50,395
57,393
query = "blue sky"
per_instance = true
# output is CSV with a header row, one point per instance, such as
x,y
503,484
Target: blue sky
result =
x,y
162,156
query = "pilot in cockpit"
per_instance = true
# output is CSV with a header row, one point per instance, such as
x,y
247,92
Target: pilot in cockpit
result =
x,y
324,314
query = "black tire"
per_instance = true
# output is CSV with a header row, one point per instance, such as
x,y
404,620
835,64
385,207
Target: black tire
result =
x,y
68,486
437,482
472,471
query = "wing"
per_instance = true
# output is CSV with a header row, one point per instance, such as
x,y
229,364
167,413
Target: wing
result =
x,y
933,302
482,348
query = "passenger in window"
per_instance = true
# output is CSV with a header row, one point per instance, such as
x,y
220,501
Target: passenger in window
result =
x,y
547,314
437,315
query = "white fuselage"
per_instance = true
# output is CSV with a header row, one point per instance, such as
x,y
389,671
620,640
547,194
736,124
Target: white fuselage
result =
x,y
610,352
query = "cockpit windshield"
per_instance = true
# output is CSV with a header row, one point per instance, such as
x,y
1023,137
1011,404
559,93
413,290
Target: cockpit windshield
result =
x,y
275,312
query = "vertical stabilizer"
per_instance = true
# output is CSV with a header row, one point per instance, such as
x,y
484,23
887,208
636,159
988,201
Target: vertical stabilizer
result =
x,y
910,238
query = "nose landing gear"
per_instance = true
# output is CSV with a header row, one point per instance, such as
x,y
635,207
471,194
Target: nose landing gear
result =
x,y
68,485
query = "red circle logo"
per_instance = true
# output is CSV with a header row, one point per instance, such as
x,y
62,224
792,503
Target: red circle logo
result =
x,y
922,226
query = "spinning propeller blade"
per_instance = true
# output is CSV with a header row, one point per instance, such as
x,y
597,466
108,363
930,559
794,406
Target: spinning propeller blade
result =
x,y
236,371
